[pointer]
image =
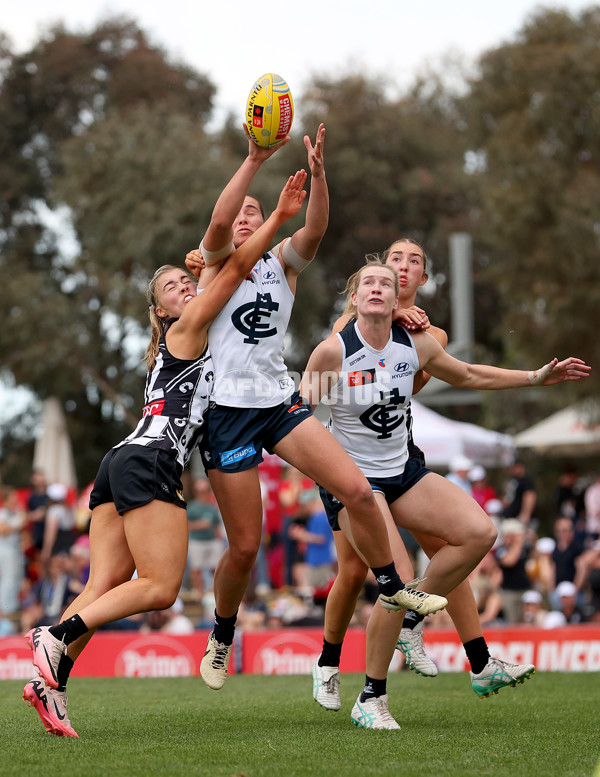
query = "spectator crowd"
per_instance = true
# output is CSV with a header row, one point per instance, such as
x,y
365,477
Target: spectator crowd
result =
x,y
529,577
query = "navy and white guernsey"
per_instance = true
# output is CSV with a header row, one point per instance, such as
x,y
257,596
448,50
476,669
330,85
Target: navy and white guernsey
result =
x,y
175,402
370,401
246,340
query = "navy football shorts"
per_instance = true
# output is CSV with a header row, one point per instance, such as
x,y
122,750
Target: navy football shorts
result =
x,y
392,488
235,436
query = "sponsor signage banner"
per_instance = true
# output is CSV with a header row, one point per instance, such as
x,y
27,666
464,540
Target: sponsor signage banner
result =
x,y
294,651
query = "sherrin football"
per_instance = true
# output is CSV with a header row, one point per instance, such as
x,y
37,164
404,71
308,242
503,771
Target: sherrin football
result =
x,y
269,111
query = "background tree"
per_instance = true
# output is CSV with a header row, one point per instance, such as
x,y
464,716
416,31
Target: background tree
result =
x,y
105,123
533,113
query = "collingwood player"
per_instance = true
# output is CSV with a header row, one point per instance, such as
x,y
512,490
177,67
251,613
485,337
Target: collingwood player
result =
x,y
255,405
366,373
139,519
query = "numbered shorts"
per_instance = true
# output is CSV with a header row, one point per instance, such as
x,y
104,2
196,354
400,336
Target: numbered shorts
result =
x,y
132,476
392,488
235,436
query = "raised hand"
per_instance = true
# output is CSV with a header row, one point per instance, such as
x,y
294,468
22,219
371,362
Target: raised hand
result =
x,y
315,153
292,195
262,154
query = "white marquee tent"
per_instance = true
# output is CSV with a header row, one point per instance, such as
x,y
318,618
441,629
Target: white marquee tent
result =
x,y
441,439
574,431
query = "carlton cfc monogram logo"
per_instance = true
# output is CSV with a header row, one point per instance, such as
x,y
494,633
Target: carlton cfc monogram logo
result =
x,y
383,417
247,319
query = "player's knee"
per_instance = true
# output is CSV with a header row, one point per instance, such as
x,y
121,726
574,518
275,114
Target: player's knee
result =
x,y
165,596
359,496
243,555
484,535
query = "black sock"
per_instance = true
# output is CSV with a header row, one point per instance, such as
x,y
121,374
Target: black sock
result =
x,y
64,670
412,619
70,630
387,579
477,653
224,628
331,654
373,688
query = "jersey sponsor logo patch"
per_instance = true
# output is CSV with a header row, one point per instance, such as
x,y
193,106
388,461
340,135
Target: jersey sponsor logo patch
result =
x,y
361,377
401,367
381,362
153,408
232,456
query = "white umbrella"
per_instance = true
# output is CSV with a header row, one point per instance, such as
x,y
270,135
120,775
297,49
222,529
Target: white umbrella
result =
x,y
53,452
574,431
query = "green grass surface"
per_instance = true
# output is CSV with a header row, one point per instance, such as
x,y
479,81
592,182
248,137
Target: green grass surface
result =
x,y
270,727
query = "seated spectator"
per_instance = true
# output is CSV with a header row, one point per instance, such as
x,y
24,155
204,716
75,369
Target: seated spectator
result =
x,y
540,567
460,466
169,621
48,598
534,611
512,555
568,549
566,594
482,491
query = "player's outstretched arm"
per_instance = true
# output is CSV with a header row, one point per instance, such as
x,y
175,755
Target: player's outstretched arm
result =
x,y
220,232
201,311
306,240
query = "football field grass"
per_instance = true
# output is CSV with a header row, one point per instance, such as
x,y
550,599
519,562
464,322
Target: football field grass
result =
x,y
271,727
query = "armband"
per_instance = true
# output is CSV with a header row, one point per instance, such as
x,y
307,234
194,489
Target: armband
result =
x,y
291,258
537,377
212,257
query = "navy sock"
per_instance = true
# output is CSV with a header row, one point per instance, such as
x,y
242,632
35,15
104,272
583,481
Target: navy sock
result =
x,y
331,654
477,653
224,628
64,670
387,579
70,630
373,688
411,619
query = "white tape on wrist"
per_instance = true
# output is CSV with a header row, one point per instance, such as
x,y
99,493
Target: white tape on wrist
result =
x,y
536,377
212,257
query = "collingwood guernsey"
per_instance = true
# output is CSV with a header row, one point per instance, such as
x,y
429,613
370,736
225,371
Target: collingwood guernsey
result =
x,y
175,402
370,401
246,340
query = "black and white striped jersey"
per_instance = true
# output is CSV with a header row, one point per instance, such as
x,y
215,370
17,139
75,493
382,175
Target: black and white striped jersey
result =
x,y
175,402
